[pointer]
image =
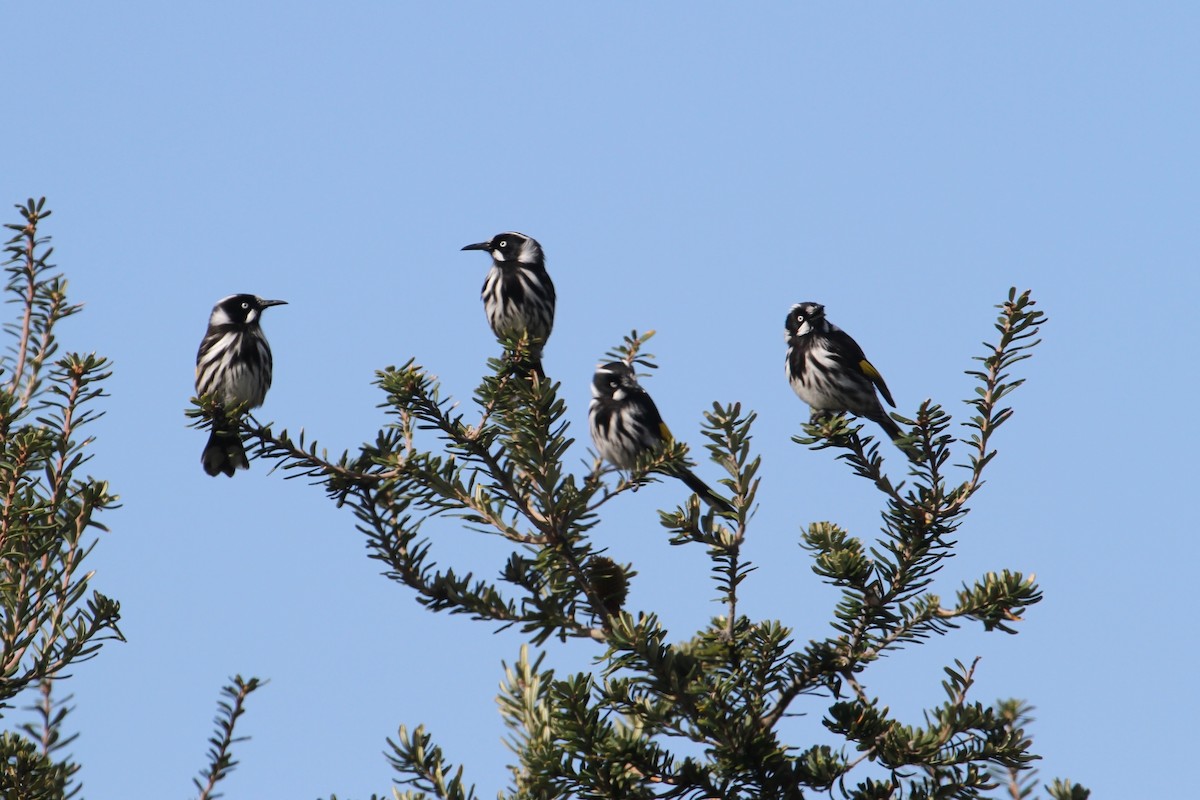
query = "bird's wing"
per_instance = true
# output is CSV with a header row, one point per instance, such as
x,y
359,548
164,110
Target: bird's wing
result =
x,y
857,358
869,370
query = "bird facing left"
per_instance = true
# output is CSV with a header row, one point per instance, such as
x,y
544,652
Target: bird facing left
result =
x,y
233,367
828,370
625,424
518,295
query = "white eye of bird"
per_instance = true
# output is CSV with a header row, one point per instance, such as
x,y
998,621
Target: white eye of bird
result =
x,y
245,305
503,243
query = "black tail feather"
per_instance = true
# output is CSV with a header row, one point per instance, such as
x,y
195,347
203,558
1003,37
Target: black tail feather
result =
x,y
224,453
535,366
888,424
706,493
895,433
526,364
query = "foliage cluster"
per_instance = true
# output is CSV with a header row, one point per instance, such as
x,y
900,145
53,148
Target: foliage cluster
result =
x,y
48,620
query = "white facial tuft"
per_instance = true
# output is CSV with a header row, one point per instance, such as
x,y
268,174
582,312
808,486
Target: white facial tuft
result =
x,y
531,251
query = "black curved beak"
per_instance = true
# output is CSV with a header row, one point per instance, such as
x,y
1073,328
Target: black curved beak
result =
x,y
479,246
267,303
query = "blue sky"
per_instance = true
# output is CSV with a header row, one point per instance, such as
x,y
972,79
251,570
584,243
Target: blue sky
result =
x,y
691,168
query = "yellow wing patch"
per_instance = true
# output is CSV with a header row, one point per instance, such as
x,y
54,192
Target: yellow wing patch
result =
x,y
869,370
664,432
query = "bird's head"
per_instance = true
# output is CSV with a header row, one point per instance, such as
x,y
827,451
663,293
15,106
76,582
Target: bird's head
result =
x,y
240,309
511,247
805,318
613,380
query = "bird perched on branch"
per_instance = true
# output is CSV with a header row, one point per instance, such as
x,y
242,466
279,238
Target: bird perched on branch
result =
x,y
518,295
625,423
233,367
829,371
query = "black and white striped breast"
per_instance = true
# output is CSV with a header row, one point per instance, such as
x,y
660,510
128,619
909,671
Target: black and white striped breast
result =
x,y
519,298
234,366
